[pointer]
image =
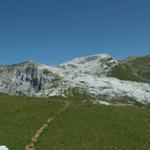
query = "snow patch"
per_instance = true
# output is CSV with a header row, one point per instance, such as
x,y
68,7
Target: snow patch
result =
x,y
104,103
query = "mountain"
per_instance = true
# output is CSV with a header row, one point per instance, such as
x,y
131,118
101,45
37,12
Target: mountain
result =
x,y
100,78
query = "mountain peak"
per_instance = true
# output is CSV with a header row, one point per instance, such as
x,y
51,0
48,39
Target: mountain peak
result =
x,y
28,62
90,59
100,76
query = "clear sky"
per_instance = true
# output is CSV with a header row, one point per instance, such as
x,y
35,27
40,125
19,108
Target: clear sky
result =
x,y
54,31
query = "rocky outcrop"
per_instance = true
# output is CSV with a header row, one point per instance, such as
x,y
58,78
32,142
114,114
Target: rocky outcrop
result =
x,y
3,147
24,79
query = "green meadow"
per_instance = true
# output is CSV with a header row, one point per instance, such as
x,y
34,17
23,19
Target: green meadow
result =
x,y
83,126
20,117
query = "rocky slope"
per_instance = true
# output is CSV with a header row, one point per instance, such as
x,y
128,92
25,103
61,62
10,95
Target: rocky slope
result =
x,y
95,76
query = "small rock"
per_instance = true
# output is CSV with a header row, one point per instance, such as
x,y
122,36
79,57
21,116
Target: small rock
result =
x,y
3,147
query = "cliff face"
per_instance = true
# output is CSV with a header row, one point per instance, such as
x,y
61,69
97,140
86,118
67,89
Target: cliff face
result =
x,y
23,79
95,76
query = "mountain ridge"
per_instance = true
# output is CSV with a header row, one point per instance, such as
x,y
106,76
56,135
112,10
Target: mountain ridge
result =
x,y
101,77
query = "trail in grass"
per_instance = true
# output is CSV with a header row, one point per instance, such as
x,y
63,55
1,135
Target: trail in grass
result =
x,y
39,132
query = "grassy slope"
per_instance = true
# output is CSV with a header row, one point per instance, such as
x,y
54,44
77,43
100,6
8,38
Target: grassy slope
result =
x,y
20,117
135,69
93,127
141,66
125,72
81,127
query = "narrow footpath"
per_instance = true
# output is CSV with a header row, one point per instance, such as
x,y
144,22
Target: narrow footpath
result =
x,y
39,132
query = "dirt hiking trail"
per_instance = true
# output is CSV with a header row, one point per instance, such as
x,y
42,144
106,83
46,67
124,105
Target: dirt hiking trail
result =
x,y
39,132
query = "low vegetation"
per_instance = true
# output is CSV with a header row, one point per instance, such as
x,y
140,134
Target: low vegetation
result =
x,y
20,117
76,94
141,66
98,127
125,72
134,69
83,126
1,71
46,72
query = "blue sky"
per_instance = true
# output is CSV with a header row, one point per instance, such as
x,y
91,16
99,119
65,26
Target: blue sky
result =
x,y
54,31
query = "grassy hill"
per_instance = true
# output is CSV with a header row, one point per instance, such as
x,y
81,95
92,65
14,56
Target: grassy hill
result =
x,y
20,117
141,66
134,69
98,127
83,126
